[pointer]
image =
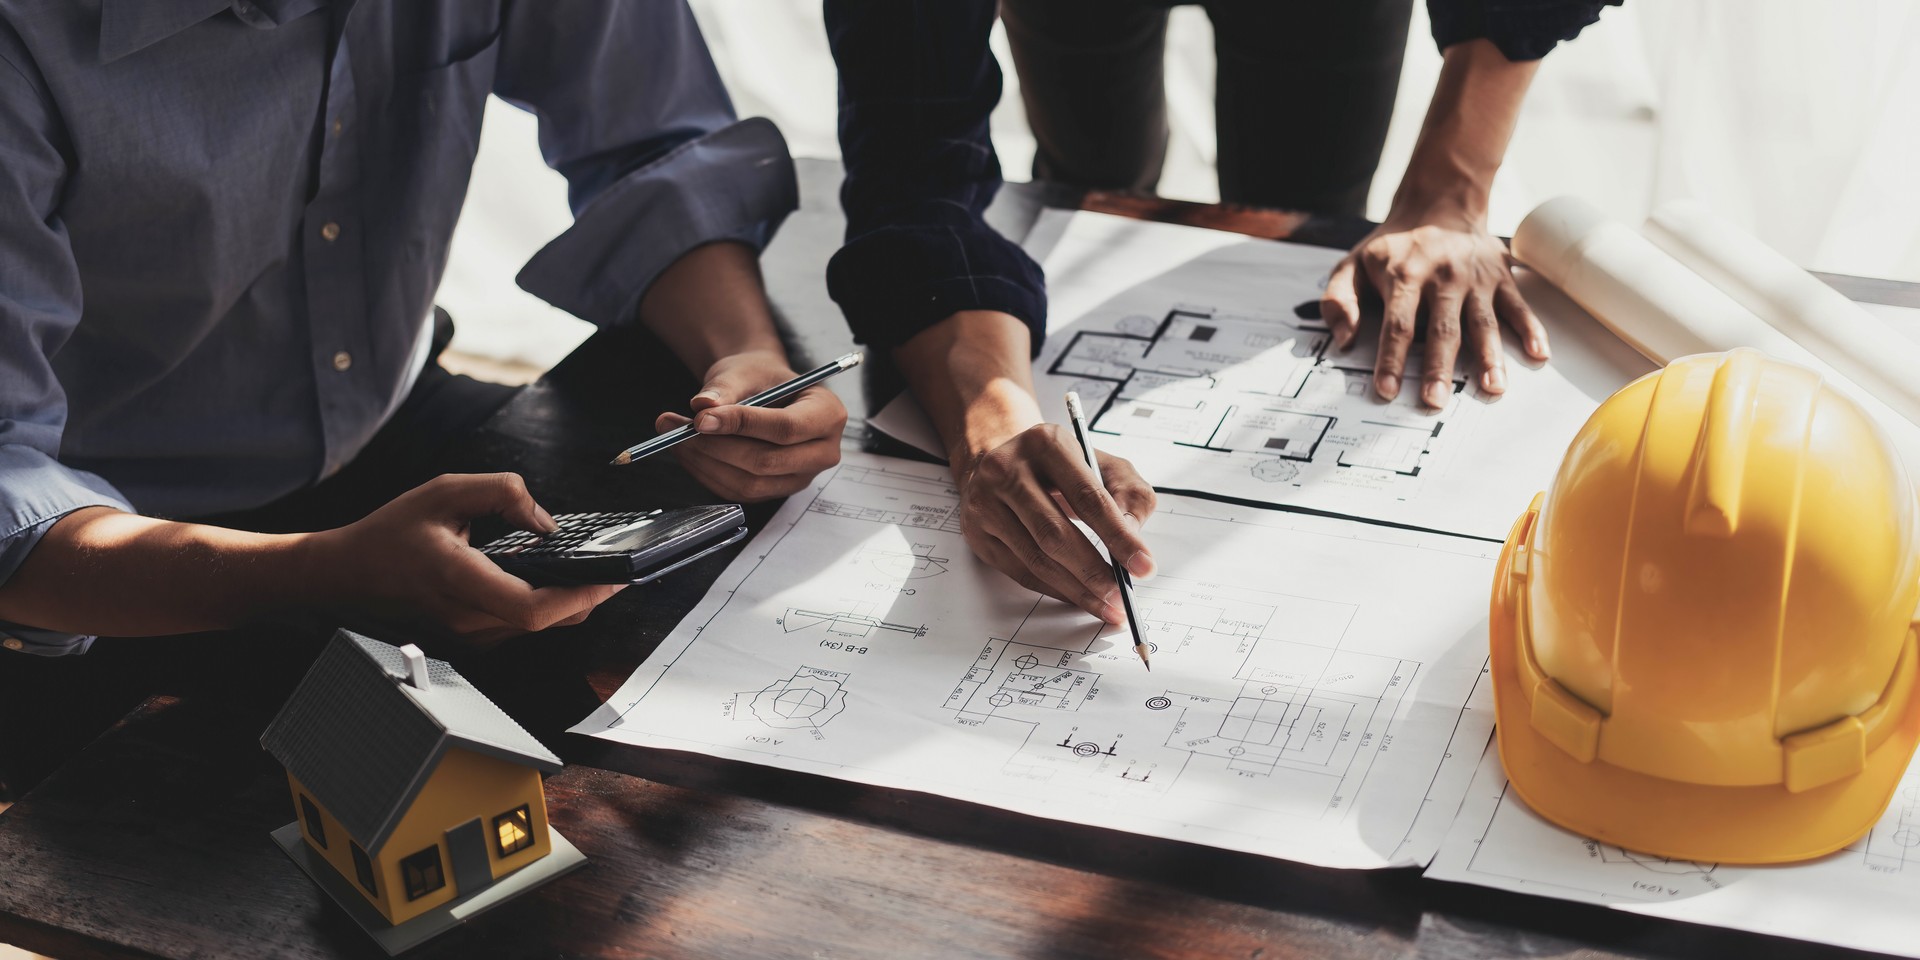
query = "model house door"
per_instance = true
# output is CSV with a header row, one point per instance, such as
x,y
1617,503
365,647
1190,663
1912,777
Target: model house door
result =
x,y
467,847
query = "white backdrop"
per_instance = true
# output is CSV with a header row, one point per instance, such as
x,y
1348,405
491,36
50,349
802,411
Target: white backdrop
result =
x,y
1797,121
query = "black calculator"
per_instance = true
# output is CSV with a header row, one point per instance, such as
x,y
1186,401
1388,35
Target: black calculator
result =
x,y
618,547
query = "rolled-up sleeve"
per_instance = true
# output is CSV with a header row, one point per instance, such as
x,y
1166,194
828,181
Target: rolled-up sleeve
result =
x,y
918,85
633,113
39,309
1522,29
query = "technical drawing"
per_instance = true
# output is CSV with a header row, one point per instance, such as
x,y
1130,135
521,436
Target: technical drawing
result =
x,y
1009,674
853,624
916,563
892,497
1654,864
1248,385
1268,725
1091,759
1275,470
806,700
1299,703
1894,842
1262,726
1089,748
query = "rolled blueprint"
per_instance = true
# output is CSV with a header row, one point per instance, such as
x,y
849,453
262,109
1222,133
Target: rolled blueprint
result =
x,y
1793,301
1644,296
1660,307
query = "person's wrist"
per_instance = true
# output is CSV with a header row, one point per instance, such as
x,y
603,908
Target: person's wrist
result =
x,y
1448,205
315,569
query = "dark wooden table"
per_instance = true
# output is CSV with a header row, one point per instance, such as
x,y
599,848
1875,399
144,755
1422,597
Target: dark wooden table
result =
x,y
153,841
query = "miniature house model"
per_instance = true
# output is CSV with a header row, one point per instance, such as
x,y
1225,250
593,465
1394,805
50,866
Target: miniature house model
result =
x,y
411,785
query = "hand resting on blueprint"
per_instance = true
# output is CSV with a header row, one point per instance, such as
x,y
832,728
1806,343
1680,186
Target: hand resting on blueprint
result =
x,y
1450,269
1433,261
1023,481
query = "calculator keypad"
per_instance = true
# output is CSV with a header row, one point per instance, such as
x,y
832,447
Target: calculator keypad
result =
x,y
576,529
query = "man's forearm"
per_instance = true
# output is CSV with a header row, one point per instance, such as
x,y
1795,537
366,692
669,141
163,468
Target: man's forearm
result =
x,y
101,571
1467,128
711,304
972,375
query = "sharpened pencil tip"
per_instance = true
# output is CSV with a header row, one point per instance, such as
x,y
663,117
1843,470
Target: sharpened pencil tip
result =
x,y
622,460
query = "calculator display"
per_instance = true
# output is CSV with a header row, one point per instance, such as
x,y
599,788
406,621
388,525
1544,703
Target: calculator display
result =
x,y
650,530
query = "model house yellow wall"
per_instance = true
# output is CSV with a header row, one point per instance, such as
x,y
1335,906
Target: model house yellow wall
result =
x,y
338,848
463,786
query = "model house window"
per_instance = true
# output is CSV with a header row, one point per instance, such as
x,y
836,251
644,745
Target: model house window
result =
x,y
513,831
362,868
311,814
422,873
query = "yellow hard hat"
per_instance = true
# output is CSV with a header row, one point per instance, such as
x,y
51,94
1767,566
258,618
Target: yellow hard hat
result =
x,y
1703,642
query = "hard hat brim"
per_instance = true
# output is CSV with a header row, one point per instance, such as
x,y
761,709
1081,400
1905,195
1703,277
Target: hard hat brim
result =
x,y
1669,818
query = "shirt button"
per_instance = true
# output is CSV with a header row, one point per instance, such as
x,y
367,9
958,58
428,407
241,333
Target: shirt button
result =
x,y
342,360
338,125
330,231
12,643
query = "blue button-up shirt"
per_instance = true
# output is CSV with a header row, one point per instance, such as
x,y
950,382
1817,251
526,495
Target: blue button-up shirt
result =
x,y
222,222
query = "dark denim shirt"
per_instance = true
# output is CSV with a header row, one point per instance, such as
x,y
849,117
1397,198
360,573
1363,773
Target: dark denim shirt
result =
x,y
222,222
917,83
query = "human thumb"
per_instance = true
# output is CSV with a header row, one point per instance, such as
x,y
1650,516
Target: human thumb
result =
x,y
720,389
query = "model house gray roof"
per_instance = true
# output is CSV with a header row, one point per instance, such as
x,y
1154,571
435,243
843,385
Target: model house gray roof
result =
x,y
364,739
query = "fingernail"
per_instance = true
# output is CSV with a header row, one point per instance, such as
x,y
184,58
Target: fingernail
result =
x,y
1538,347
1436,393
1387,387
1133,522
1113,614
1141,565
707,423
1494,380
547,523
707,395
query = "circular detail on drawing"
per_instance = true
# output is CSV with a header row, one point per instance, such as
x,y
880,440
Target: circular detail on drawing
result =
x,y
1276,471
1152,647
1138,324
1026,661
1907,838
1086,749
1236,751
1269,690
1000,699
1158,703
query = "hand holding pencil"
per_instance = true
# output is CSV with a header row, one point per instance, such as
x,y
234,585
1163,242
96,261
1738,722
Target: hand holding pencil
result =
x,y
1122,579
758,431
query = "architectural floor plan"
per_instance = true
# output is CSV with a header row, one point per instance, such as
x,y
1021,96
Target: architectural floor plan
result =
x,y
1203,359
1860,897
1289,711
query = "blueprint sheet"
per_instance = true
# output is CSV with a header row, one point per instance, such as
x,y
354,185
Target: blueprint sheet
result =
x,y
1861,897
1201,358
1317,690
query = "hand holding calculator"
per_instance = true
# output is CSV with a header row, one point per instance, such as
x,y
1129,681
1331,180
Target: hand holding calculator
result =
x,y
633,547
